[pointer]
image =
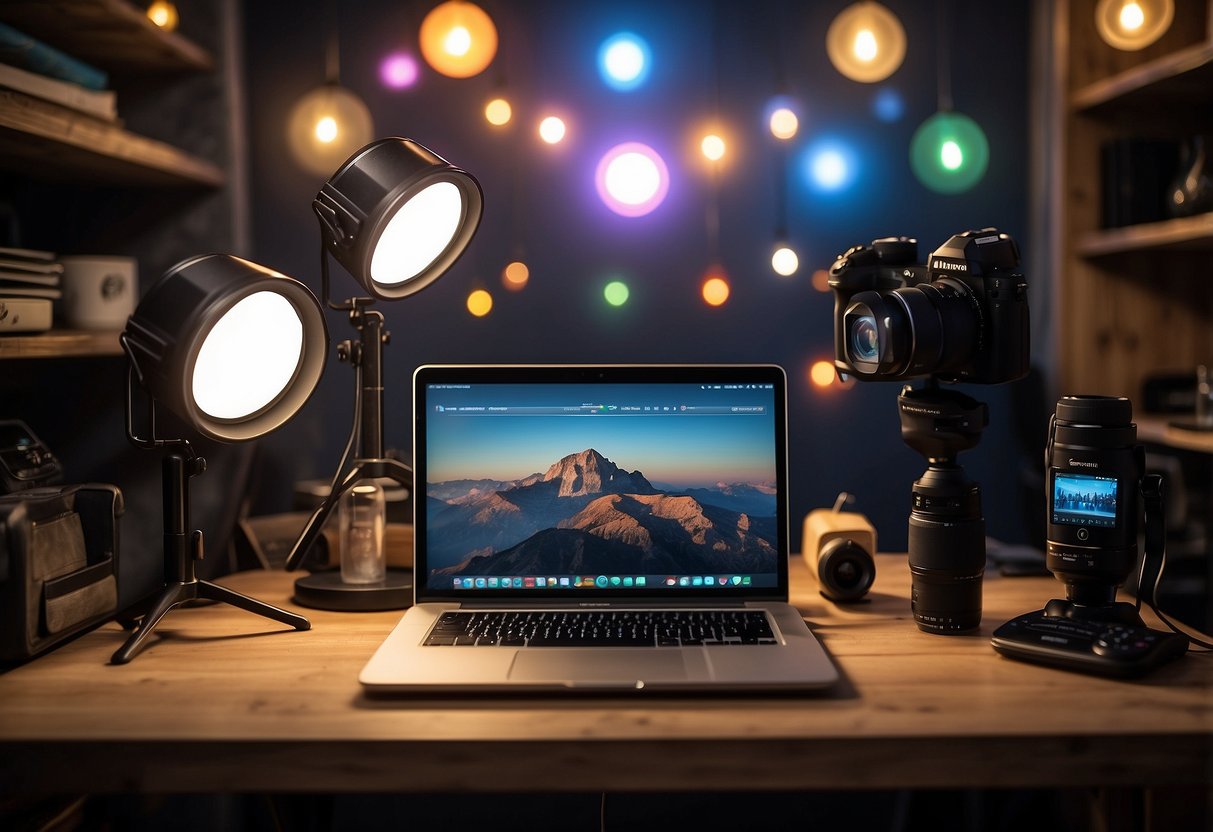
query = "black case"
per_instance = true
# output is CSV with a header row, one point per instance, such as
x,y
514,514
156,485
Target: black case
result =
x,y
58,565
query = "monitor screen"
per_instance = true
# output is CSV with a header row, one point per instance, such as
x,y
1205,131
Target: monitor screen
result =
x,y
1084,500
603,487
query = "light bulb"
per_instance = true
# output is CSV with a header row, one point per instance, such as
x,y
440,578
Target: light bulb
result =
x,y
552,130
498,112
515,276
715,289
326,126
163,14
632,179
713,147
616,293
624,60
785,261
949,153
822,373
866,42
480,303
1130,25
458,39
784,124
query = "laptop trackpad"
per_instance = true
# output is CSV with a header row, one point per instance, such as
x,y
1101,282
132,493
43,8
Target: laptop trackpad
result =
x,y
604,665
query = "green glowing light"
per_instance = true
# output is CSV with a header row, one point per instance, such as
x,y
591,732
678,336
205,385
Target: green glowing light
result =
x,y
949,153
616,293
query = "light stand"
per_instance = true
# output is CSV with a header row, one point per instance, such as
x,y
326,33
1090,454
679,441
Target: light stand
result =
x,y
182,546
396,216
326,590
235,350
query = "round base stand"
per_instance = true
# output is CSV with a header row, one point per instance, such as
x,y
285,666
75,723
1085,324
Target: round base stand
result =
x,y
326,591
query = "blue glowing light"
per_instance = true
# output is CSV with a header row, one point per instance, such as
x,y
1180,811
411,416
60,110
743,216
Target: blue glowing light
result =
x,y
888,105
624,60
831,165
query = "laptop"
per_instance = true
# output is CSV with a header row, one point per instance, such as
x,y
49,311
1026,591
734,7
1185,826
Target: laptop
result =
x,y
598,529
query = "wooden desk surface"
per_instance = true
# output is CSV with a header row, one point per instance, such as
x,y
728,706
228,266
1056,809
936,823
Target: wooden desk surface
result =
x,y
222,700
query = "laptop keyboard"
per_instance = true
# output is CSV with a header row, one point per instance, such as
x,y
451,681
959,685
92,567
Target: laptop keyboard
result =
x,y
602,628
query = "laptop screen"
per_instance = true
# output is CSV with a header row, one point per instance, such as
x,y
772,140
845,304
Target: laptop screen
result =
x,y
600,482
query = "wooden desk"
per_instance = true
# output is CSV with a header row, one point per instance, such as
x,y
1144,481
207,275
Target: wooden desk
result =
x,y
222,701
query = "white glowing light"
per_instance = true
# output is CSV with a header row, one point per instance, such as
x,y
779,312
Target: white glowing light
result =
x,y
457,41
950,155
248,358
552,130
326,129
785,262
417,234
1131,17
865,45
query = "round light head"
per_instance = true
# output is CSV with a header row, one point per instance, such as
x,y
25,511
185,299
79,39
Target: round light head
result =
x,y
397,216
233,348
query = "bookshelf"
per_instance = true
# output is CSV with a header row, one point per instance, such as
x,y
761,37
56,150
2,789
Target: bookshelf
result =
x,y
1134,300
84,183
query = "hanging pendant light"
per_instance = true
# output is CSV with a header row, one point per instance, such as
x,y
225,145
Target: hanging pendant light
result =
x,y
326,126
949,153
1133,24
866,42
458,39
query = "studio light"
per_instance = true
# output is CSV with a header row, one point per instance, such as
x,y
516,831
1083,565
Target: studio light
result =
x,y
396,216
1130,25
235,350
866,42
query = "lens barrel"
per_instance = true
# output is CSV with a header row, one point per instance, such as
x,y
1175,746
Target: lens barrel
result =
x,y
845,570
947,552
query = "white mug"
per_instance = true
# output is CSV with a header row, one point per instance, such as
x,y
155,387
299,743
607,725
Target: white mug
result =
x,y
99,292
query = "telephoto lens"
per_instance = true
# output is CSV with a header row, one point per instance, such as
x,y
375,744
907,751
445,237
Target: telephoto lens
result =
x,y
1094,467
947,552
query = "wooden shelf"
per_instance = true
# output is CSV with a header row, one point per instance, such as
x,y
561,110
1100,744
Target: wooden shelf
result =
x,y
1183,76
58,142
1157,429
114,35
61,343
1191,233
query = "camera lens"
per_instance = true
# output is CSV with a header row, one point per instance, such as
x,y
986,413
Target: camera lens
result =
x,y
864,339
845,570
912,331
947,552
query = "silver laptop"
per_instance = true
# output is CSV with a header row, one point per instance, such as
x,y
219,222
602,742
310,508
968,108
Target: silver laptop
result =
x,y
600,529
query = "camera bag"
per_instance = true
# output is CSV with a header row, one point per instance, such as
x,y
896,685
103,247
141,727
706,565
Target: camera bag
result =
x,y
58,565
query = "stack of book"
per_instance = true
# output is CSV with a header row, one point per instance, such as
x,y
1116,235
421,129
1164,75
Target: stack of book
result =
x,y
33,68
29,284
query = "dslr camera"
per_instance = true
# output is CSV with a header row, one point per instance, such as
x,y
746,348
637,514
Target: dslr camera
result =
x,y
962,316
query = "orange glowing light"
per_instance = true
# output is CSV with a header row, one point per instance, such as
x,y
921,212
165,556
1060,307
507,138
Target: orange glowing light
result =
x,y
822,373
821,280
480,303
715,290
498,112
458,39
515,276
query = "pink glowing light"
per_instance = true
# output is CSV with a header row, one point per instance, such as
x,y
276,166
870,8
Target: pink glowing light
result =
x,y
399,71
632,179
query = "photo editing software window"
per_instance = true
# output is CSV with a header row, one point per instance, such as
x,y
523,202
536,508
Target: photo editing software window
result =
x,y
629,487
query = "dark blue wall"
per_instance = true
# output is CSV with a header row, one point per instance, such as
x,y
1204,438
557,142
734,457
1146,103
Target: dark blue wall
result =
x,y
540,201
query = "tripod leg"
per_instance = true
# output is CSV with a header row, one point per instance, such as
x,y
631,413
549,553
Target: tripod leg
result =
x,y
206,589
316,522
173,595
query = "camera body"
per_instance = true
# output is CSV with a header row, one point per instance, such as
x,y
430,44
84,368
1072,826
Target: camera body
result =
x,y
838,548
961,316
1094,468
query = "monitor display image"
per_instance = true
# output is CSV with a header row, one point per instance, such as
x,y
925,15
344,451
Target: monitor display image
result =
x,y
601,486
1084,500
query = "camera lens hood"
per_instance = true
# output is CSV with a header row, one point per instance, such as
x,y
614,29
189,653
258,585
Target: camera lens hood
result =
x,y
1101,411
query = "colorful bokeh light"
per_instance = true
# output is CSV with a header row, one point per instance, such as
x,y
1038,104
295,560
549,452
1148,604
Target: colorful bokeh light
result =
x,y
498,112
888,105
480,303
399,71
325,127
458,39
822,373
713,147
866,42
784,124
785,261
515,276
949,153
552,130
616,293
831,165
715,289
632,179
624,61
821,280
163,14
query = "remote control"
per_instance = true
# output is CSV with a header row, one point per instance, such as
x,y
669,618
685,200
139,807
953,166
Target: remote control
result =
x,y
1101,647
